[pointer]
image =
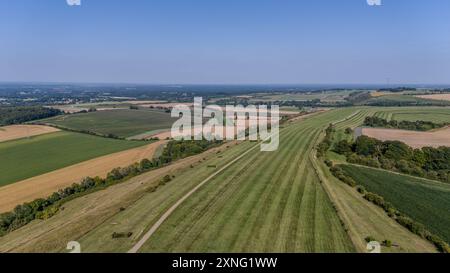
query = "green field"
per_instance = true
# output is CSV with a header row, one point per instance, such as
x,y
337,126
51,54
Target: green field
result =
x,y
121,122
425,201
25,158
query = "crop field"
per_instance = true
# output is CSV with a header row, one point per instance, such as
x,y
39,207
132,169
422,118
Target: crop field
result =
x,y
426,201
121,122
25,158
433,114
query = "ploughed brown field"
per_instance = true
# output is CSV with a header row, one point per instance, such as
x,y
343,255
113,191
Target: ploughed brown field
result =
x,y
22,131
436,97
414,139
44,185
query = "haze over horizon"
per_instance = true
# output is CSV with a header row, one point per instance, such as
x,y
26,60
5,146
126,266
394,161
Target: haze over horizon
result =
x,y
225,42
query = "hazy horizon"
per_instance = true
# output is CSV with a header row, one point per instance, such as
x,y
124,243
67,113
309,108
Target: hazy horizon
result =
x,y
226,42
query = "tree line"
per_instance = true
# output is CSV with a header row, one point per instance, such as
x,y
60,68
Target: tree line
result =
x,y
45,208
418,125
18,114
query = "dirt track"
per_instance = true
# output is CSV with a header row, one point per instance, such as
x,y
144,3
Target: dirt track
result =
x,y
412,138
166,215
44,185
21,131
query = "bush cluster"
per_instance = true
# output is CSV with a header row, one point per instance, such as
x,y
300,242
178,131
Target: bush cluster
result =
x,y
341,175
418,125
325,145
428,162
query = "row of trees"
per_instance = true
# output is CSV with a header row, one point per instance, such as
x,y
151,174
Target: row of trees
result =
x,y
18,114
326,143
340,174
419,125
407,222
46,208
428,162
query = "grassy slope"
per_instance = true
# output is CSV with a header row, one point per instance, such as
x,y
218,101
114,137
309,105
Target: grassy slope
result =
x,y
123,122
26,158
425,201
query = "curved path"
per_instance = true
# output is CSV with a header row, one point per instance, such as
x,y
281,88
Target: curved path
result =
x,y
166,215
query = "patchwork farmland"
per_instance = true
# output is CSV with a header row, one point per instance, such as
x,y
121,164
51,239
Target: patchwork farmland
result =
x,y
235,210
42,186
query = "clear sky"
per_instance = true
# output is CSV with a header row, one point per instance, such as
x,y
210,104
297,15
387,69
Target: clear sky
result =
x,y
225,41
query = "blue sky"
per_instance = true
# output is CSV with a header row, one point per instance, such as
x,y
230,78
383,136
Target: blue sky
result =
x,y
225,41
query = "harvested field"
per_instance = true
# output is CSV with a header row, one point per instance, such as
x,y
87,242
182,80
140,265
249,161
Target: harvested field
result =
x,y
22,131
412,138
445,97
43,185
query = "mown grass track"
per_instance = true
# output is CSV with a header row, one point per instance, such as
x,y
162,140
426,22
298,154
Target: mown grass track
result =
x,y
267,202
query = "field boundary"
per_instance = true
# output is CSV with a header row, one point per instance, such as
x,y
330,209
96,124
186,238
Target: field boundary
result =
x,y
47,183
352,234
